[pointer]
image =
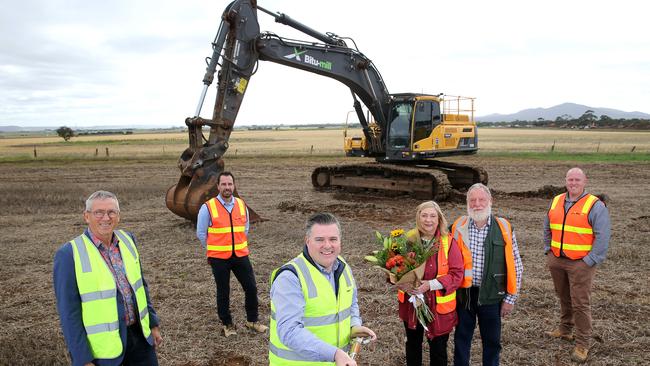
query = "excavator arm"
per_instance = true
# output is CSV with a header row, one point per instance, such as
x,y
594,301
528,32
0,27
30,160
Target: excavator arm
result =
x,y
237,48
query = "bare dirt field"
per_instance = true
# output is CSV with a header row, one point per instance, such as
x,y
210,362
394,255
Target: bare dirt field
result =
x,y
42,205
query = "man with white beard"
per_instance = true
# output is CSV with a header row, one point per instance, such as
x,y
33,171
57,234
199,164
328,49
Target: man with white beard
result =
x,y
492,279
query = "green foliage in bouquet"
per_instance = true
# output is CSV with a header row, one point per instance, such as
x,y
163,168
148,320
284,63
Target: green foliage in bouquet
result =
x,y
398,256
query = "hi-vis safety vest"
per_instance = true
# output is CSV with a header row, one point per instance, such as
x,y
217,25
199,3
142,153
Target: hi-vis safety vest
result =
x,y
327,315
460,230
444,303
98,291
227,231
571,233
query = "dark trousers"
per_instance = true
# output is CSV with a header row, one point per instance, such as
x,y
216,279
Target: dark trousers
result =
x,y
489,322
437,347
138,351
243,270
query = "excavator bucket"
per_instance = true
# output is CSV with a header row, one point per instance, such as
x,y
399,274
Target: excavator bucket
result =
x,y
186,197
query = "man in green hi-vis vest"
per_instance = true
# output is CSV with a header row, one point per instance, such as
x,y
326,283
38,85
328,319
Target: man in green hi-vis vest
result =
x,y
102,298
314,309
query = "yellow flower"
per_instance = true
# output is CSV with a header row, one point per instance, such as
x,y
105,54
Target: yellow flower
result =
x,y
396,233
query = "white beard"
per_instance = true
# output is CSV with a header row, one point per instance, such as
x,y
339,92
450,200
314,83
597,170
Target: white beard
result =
x,y
480,216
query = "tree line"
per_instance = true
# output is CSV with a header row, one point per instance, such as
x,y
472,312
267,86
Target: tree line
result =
x,y
586,121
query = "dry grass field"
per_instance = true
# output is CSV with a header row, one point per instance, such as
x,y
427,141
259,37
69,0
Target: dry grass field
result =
x,y
317,142
42,202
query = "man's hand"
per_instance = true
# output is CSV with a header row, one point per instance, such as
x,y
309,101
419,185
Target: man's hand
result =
x,y
343,359
157,338
506,309
361,331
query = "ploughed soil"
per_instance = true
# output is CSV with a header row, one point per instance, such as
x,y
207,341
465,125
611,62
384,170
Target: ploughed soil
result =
x,y
41,208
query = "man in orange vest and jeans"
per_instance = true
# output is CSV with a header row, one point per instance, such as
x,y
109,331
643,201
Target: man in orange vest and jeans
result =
x,y
493,272
222,227
576,233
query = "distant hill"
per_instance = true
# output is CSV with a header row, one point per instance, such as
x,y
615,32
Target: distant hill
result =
x,y
565,110
24,129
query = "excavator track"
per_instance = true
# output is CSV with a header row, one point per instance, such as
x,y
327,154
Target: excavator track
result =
x,y
427,180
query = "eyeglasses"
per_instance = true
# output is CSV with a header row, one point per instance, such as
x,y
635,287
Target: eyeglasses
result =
x,y
100,213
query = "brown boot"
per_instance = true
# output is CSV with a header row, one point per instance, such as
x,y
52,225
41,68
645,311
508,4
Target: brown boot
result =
x,y
229,330
558,334
580,354
256,326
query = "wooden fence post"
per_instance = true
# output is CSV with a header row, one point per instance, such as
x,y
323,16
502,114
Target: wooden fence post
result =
x,y
107,152
633,147
311,151
35,154
96,151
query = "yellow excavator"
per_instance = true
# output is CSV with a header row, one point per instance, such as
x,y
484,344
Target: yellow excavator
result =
x,y
404,134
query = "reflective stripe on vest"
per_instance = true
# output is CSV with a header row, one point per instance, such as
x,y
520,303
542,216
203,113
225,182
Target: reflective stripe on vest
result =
x,y
97,290
444,303
511,274
326,315
227,231
460,229
571,233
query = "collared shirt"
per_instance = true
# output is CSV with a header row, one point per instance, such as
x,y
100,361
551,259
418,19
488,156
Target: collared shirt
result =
x,y
476,240
289,303
204,219
598,219
113,258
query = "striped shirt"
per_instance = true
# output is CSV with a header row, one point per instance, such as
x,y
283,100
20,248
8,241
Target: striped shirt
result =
x,y
113,258
476,239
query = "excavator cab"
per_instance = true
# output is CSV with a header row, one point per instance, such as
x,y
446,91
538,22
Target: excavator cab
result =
x,y
419,128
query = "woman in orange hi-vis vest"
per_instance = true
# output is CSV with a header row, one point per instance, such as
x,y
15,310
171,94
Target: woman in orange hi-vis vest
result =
x,y
442,276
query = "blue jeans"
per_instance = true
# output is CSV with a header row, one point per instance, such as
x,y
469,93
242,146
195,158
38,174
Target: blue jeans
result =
x,y
489,322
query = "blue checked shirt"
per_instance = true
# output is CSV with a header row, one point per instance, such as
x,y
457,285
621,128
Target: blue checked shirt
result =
x,y
476,239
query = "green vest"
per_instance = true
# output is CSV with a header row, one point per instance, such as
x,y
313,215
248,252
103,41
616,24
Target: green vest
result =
x,y
326,315
493,283
98,292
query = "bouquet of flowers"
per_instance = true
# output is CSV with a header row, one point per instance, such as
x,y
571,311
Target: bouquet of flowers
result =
x,y
404,263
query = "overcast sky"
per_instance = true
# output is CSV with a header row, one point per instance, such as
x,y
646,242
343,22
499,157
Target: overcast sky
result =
x,y
141,62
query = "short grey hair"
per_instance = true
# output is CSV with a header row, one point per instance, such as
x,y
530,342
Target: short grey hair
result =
x,y
480,186
321,218
101,195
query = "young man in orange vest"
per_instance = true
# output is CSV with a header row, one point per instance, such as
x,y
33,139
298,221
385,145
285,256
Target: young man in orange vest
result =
x,y
493,271
222,227
576,233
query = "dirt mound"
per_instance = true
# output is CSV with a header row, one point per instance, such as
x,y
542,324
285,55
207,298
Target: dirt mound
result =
x,y
547,191
352,207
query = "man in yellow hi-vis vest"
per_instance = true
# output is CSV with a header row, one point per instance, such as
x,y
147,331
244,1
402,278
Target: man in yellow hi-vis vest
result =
x,y
576,238
101,296
314,309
